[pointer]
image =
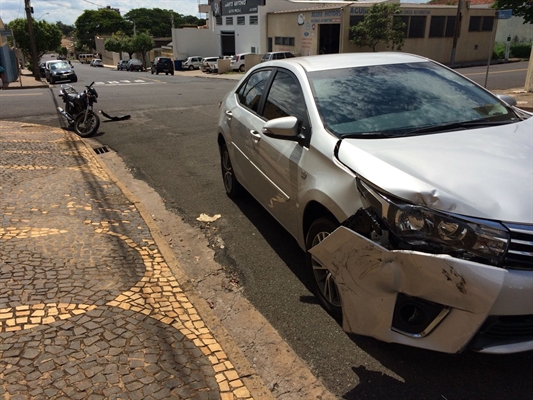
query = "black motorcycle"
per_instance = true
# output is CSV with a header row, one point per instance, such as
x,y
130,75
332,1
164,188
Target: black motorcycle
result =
x,y
79,109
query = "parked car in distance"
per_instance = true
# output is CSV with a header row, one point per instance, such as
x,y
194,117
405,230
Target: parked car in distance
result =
x,y
122,65
407,185
208,64
162,64
97,63
192,63
237,62
276,55
135,65
42,70
59,70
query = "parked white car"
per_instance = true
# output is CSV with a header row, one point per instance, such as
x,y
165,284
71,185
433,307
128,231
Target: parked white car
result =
x,y
238,62
408,186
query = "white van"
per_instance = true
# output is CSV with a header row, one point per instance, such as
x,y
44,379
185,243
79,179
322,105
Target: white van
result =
x,y
86,58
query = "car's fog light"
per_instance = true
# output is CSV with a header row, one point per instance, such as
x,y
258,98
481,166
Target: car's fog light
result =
x,y
416,317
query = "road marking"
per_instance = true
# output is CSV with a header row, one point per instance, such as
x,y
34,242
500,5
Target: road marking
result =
x,y
20,94
496,72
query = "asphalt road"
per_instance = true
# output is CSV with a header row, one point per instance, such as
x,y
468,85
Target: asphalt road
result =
x,y
169,142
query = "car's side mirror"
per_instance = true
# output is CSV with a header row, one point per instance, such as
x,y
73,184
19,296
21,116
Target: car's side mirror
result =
x,y
286,128
507,99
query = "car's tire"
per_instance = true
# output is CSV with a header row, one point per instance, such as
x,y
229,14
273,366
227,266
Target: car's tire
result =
x,y
89,127
166,73
241,68
172,73
152,71
157,72
325,287
191,67
231,184
52,81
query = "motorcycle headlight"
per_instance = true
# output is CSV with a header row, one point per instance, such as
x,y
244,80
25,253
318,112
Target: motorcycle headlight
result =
x,y
424,229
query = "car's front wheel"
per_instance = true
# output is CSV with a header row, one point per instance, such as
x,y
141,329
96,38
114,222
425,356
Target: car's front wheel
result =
x,y
326,288
231,184
191,67
241,68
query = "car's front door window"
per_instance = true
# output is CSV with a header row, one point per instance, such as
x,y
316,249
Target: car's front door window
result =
x,y
285,99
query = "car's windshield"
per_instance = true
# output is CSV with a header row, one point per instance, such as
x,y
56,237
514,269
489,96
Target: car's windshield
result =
x,y
59,65
398,99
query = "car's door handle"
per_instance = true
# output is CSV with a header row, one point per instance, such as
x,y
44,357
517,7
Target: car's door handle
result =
x,y
229,114
255,135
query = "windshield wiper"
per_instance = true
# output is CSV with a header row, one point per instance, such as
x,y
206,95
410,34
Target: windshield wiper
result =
x,y
458,125
368,135
427,129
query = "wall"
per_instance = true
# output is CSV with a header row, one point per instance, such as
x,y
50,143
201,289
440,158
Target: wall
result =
x,y
515,27
304,26
193,42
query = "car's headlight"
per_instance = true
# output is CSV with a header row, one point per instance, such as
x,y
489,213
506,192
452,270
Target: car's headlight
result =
x,y
424,229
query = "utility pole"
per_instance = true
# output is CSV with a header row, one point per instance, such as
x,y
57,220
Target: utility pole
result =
x,y
29,19
456,32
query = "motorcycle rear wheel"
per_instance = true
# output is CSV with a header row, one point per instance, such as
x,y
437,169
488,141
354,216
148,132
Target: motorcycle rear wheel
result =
x,y
90,126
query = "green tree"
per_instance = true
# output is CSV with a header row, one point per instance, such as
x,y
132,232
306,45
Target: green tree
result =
x,y
158,22
119,42
66,30
380,25
100,22
521,8
142,43
155,21
47,36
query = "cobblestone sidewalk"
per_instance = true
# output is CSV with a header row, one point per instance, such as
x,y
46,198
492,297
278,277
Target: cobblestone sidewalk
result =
x,y
89,308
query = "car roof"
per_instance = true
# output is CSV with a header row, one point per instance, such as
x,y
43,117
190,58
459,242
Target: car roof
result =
x,y
347,60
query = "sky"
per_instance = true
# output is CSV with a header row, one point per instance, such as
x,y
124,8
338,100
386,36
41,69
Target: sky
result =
x,y
67,11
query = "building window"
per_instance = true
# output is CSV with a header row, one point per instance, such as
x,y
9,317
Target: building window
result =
x,y
415,27
254,20
481,24
229,20
240,21
450,26
219,20
442,26
284,41
487,24
475,24
354,20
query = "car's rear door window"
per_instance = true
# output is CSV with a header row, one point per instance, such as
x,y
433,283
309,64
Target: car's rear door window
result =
x,y
251,91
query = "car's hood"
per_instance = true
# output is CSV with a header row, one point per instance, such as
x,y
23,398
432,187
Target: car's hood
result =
x,y
62,70
485,173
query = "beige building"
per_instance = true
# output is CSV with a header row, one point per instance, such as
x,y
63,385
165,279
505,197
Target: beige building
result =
x,y
430,30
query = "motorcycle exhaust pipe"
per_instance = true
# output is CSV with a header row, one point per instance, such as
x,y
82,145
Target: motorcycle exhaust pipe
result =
x,y
65,114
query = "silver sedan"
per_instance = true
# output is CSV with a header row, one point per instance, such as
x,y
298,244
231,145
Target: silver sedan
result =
x,y
408,186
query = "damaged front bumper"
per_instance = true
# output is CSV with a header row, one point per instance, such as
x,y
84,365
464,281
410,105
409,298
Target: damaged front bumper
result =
x,y
430,301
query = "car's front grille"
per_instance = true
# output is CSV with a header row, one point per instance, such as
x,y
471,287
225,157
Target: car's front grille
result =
x,y
520,253
504,330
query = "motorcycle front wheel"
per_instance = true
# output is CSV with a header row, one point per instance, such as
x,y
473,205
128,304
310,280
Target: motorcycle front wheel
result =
x,y
90,126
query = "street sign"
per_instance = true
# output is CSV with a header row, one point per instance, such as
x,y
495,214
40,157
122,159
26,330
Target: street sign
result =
x,y
504,14
6,32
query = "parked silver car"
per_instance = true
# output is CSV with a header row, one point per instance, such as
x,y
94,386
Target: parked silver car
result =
x,y
408,186
191,63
